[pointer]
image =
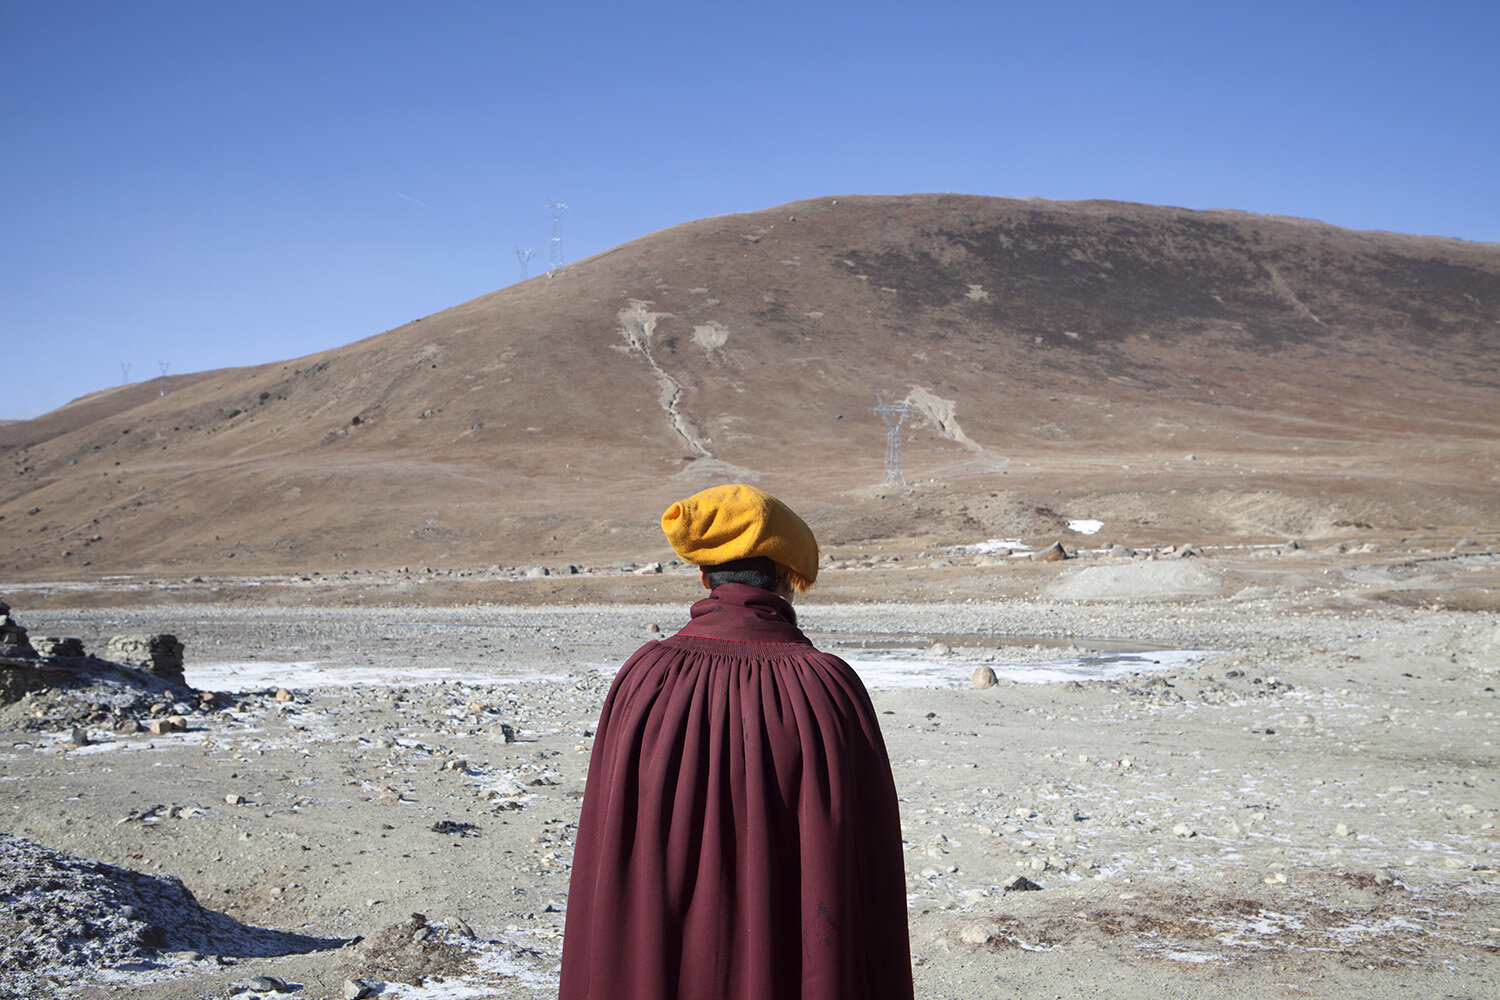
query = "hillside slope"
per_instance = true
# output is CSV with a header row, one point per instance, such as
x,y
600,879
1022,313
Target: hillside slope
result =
x,y
1210,374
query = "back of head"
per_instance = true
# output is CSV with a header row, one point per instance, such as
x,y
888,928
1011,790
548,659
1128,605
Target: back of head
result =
x,y
757,571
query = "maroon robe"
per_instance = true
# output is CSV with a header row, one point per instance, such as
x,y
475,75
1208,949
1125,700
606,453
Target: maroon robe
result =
x,y
740,838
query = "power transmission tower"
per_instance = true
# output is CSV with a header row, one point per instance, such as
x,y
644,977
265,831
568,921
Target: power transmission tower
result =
x,y
164,365
555,260
523,256
124,372
894,475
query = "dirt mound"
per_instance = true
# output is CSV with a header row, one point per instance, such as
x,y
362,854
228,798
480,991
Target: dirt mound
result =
x,y
66,911
414,951
1138,581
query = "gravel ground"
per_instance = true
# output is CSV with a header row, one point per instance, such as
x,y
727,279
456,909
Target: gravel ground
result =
x,y
1306,806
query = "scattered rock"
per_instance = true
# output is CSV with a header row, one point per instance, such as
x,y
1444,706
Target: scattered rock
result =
x,y
984,677
142,815
1023,884
358,989
455,828
58,648
979,932
1052,553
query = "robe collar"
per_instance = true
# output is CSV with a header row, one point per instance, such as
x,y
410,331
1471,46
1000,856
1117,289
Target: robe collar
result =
x,y
739,612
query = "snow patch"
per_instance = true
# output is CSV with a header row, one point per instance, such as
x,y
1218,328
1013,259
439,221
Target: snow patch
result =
x,y
711,336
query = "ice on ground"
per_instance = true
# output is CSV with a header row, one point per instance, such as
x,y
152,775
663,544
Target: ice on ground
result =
x,y
879,669
884,671
258,675
994,545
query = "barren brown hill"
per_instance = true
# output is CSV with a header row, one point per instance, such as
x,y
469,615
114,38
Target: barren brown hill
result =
x,y
1178,375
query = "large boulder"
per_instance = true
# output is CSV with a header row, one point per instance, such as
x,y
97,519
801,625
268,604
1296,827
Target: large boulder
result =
x,y
1052,553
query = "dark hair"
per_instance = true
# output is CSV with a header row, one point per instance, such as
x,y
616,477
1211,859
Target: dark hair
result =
x,y
757,571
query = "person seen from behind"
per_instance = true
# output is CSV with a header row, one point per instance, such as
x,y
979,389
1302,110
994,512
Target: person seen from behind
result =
x,y
739,836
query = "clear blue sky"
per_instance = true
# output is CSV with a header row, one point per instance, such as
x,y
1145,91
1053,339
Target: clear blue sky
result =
x,y
226,182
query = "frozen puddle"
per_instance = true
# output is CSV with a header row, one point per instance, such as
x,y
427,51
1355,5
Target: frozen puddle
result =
x,y
256,675
879,668
889,669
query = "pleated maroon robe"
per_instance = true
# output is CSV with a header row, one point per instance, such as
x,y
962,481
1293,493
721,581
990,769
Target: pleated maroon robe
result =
x,y
739,838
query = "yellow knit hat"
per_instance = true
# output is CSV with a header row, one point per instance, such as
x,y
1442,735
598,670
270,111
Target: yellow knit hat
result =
x,y
736,521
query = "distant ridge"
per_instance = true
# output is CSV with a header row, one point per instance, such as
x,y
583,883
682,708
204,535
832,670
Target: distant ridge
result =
x,y
1219,373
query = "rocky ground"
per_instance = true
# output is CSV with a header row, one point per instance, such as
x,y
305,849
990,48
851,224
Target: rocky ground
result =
x,y
1282,782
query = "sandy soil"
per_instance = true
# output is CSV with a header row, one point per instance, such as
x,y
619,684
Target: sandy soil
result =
x,y
1305,808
